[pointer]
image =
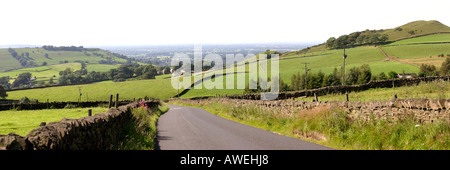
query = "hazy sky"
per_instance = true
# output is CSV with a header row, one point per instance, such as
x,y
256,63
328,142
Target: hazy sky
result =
x,y
139,22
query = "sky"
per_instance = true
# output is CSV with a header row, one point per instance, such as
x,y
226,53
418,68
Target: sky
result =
x,y
148,22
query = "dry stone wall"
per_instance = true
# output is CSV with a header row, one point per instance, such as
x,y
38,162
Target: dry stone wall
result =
x,y
54,105
422,110
346,88
102,131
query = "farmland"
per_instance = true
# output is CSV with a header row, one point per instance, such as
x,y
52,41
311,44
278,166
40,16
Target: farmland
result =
x,y
23,121
128,90
432,90
44,73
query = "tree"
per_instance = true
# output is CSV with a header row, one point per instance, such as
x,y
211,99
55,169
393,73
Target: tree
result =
x,y
392,75
330,42
138,71
352,76
365,74
67,71
4,81
22,79
383,38
361,38
382,76
332,79
445,68
3,92
427,70
283,86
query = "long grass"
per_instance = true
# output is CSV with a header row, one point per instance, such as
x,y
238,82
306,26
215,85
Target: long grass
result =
x,y
430,90
141,132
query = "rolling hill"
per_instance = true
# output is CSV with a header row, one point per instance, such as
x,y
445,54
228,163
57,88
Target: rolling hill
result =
x,y
416,29
403,55
33,57
407,31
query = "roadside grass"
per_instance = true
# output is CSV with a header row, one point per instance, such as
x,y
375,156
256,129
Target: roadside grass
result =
x,y
333,128
22,122
430,90
141,133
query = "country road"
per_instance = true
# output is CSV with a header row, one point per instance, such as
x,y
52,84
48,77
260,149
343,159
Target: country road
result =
x,y
189,128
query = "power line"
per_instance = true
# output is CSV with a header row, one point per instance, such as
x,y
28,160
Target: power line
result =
x,y
306,74
343,68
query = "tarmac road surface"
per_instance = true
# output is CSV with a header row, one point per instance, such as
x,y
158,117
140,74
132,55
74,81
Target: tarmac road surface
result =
x,y
189,128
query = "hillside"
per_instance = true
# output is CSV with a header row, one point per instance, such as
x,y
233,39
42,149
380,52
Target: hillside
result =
x,y
367,37
19,58
415,29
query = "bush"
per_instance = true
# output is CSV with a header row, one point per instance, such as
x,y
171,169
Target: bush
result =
x,y
392,75
24,100
428,70
445,68
3,92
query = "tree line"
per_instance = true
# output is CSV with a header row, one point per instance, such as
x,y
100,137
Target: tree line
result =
x,y
65,48
24,58
368,37
123,73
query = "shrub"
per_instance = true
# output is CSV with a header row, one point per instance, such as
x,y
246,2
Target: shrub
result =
x,y
427,70
24,100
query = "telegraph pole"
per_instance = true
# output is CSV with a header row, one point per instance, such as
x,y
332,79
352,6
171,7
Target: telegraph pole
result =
x,y
306,74
343,68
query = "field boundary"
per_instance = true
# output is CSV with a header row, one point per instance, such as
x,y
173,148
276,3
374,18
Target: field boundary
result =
x,y
55,105
340,89
102,131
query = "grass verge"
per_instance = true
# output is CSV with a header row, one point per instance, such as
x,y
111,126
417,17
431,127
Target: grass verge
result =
x,y
141,132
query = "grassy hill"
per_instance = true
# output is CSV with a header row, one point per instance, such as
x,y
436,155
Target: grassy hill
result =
x,y
407,31
52,57
44,73
406,52
401,56
416,28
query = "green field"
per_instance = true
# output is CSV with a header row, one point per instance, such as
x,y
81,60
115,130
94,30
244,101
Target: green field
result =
x,y
324,61
432,90
419,28
54,57
417,50
7,61
327,60
23,121
128,90
425,39
44,73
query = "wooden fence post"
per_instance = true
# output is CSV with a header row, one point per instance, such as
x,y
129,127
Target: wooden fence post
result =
x,y
90,112
315,96
117,100
110,101
346,96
